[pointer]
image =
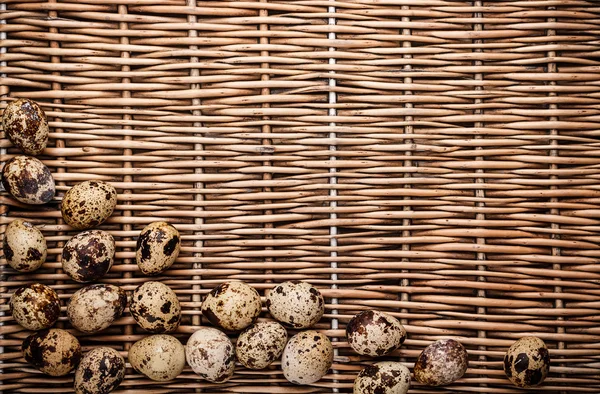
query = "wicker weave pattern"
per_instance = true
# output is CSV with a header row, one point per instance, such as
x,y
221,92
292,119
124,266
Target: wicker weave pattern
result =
x,y
450,145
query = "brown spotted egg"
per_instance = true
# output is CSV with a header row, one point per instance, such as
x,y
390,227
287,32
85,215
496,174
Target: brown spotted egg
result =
x,y
28,180
26,126
157,248
100,371
94,308
383,378
260,344
527,362
210,354
35,306
159,357
296,304
374,333
155,307
88,204
24,246
88,256
232,306
441,363
307,357
54,351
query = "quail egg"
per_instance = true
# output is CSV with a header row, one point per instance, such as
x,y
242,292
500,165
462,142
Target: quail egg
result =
x,y
159,357
383,378
232,306
260,344
375,333
441,363
28,180
26,126
24,246
157,248
155,307
296,304
210,354
88,256
35,306
96,307
88,204
53,351
527,362
307,357
101,371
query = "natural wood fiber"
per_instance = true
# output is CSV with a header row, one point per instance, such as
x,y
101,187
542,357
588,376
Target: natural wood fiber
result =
x,y
438,160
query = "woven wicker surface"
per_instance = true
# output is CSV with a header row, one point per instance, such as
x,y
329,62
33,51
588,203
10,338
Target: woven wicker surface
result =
x,y
435,159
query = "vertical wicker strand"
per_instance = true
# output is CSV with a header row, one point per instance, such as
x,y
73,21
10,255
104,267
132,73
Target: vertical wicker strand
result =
x,y
4,92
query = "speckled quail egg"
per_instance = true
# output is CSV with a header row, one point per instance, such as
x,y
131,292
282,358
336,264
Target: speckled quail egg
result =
x,y
155,307
296,304
374,333
26,126
527,362
53,351
28,180
441,363
159,357
100,371
232,306
35,306
307,357
383,378
260,344
157,248
88,256
210,354
24,246
88,204
94,308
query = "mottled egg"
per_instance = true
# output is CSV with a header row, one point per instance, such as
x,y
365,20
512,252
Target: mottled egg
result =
x,y
24,246
296,304
88,256
307,357
157,248
26,126
35,306
232,306
54,351
383,378
28,180
441,363
527,362
374,333
155,307
260,344
159,357
88,204
101,371
210,354
94,308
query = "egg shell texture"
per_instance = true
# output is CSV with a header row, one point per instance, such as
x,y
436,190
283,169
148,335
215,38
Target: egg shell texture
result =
x,y
28,180
374,333
307,357
88,256
54,351
441,363
26,126
35,306
260,344
24,246
232,306
383,378
157,248
296,304
155,307
100,371
88,204
527,362
95,307
159,357
211,355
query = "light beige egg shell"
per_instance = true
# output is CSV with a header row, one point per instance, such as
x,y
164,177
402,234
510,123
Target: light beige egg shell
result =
x,y
232,306
374,333
383,378
441,363
101,371
260,344
88,204
527,362
28,180
54,351
26,126
24,246
157,248
307,357
88,256
159,357
155,307
296,304
35,306
95,307
211,355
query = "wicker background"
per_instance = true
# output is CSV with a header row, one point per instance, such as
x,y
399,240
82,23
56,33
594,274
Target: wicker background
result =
x,y
437,159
